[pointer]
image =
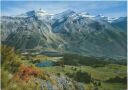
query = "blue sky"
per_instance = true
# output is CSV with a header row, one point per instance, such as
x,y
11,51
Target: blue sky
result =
x,y
107,8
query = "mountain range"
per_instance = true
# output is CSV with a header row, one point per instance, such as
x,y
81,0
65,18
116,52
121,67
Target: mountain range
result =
x,y
67,32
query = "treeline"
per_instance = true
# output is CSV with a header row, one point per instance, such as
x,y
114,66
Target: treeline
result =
x,y
118,79
76,60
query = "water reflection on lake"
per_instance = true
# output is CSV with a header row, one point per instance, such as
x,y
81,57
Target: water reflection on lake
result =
x,y
45,64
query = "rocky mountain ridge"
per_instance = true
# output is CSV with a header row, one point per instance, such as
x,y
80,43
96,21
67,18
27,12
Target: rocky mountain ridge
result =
x,y
64,32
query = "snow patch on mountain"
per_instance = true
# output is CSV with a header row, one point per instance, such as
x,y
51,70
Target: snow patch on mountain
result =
x,y
39,13
66,13
86,14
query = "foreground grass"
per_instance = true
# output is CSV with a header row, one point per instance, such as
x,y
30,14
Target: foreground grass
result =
x,y
100,73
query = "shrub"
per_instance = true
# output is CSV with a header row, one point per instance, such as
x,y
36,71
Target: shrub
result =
x,y
82,77
118,79
26,72
60,63
5,79
9,59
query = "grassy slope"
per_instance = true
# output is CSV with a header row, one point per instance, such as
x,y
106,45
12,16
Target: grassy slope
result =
x,y
98,73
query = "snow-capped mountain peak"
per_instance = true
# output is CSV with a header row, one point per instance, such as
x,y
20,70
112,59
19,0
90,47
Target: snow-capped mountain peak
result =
x,y
86,14
63,14
39,13
110,19
68,29
100,15
68,12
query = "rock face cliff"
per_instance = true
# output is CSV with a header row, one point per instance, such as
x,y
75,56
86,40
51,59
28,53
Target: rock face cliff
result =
x,y
68,31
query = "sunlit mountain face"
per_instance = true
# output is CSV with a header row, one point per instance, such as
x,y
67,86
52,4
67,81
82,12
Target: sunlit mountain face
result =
x,y
68,31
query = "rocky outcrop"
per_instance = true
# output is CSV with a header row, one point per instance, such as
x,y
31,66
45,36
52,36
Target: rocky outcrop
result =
x,y
60,83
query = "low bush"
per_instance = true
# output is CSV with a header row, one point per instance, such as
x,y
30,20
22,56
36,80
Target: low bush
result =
x,y
118,79
9,59
25,73
80,76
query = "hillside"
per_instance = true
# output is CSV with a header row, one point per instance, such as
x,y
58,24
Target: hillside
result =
x,y
67,32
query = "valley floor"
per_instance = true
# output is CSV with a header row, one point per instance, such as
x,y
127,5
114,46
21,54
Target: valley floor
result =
x,y
40,72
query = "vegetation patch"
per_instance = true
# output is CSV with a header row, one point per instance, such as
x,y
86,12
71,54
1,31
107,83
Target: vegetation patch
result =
x,y
117,79
78,60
